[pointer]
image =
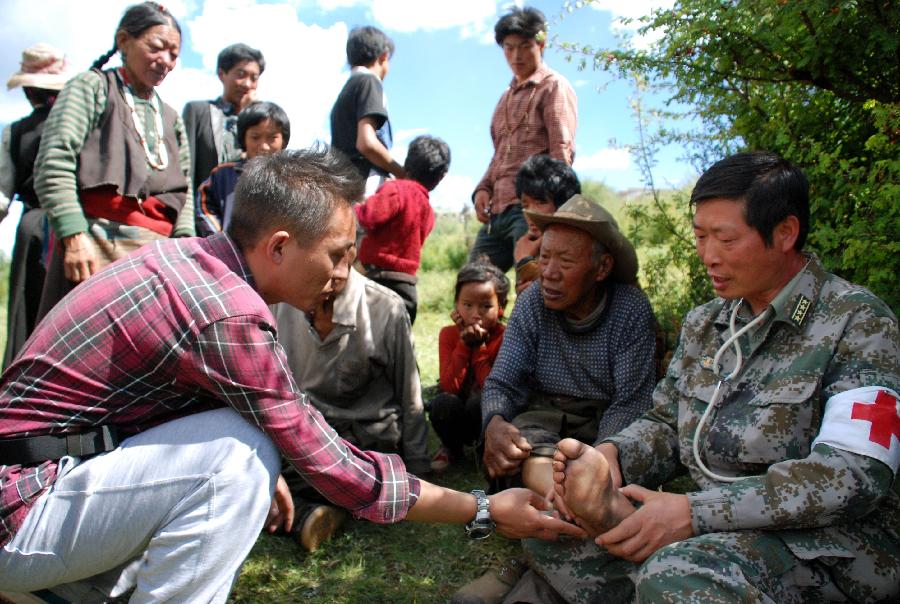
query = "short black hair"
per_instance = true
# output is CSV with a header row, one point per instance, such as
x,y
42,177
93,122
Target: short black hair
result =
x,y
547,179
365,44
482,270
527,22
770,186
238,53
427,160
258,112
297,190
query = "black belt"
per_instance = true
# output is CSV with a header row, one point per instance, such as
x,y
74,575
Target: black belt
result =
x,y
38,449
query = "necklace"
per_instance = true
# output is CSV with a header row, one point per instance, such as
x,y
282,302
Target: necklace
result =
x,y
163,156
525,114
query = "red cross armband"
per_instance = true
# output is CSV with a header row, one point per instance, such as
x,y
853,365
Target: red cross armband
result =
x,y
864,421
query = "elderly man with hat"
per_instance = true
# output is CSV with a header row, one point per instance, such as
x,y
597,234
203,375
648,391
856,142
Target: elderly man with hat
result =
x,y
43,73
577,356
577,360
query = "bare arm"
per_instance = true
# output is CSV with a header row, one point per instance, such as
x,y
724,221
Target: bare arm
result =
x,y
518,513
371,148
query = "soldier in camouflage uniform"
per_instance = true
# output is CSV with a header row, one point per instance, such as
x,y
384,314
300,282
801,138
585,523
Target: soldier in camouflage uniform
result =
x,y
808,425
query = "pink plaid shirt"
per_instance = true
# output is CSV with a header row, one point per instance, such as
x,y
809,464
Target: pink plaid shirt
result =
x,y
174,329
538,116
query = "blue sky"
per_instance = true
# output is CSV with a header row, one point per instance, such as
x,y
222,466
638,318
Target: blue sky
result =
x,y
445,78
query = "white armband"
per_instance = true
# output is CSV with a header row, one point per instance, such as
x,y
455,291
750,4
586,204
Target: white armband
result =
x,y
864,421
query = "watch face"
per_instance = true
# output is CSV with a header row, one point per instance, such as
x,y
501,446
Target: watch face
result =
x,y
479,531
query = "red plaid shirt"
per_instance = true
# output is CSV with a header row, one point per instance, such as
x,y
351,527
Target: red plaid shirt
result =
x,y
538,116
175,329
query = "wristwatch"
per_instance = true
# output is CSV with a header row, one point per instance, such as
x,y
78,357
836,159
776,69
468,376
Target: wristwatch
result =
x,y
482,526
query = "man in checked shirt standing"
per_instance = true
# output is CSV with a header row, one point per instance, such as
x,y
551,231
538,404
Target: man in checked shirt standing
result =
x,y
173,352
537,114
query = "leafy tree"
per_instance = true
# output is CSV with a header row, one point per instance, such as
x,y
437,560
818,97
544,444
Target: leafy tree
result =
x,y
816,81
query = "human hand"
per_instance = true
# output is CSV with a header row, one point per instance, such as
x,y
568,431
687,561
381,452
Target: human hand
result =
x,y
663,518
522,285
527,245
473,335
80,259
521,513
482,205
504,448
281,512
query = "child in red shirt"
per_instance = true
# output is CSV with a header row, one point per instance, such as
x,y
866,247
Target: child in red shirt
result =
x,y
467,350
398,218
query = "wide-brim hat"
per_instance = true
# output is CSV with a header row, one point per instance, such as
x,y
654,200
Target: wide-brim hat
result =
x,y
43,66
582,213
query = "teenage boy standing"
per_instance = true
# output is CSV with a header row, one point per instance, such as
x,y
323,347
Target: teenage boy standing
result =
x,y
360,127
536,114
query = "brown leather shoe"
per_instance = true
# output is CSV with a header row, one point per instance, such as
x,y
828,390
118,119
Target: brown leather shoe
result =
x,y
492,586
318,524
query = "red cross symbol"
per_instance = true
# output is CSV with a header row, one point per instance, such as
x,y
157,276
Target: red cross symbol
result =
x,y
883,415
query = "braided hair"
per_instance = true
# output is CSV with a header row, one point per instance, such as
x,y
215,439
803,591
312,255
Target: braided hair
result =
x,y
137,19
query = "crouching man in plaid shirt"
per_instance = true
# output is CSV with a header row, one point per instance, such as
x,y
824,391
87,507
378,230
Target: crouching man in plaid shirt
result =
x,y
141,425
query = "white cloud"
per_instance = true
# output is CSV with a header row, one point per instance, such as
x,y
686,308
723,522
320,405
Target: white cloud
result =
x,y
330,5
472,16
603,162
633,10
453,193
305,64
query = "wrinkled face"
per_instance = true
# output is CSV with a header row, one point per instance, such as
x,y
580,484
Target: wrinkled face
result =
x,y
150,56
263,139
239,83
310,271
536,205
569,275
477,304
735,254
523,55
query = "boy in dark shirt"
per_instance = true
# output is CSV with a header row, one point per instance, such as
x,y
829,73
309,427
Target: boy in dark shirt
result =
x,y
360,127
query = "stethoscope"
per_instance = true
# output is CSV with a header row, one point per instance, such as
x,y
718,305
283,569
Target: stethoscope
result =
x,y
717,369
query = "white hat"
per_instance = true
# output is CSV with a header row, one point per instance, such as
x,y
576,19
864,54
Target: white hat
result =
x,y
43,66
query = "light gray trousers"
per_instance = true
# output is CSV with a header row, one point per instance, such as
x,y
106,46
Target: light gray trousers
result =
x,y
172,511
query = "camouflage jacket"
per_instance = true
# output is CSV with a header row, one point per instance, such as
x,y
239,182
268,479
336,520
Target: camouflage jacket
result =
x,y
826,336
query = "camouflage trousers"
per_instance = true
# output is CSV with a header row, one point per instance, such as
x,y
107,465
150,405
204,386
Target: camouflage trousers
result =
x,y
744,566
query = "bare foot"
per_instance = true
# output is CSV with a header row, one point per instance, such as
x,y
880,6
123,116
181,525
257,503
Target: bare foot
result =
x,y
586,487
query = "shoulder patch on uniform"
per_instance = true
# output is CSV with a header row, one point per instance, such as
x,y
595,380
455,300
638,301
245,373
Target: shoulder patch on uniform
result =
x,y
707,362
799,313
865,421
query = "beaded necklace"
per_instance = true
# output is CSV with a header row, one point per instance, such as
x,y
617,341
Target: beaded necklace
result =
x,y
163,156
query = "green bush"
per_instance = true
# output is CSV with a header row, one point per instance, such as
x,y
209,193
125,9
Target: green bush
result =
x,y
817,82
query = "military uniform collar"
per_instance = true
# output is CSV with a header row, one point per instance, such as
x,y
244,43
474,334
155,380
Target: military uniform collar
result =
x,y
793,303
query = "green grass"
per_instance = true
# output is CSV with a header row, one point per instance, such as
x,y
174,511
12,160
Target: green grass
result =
x,y
365,562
